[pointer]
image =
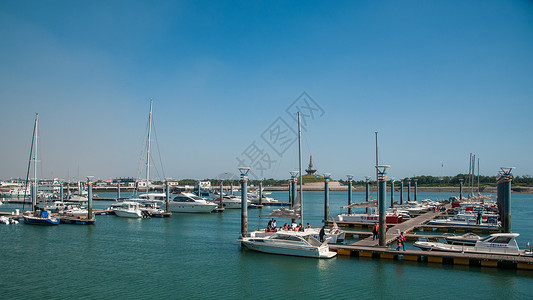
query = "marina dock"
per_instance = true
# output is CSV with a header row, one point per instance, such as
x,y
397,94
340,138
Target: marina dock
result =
x,y
467,259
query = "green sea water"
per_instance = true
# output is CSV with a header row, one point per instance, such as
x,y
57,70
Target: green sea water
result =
x,y
197,256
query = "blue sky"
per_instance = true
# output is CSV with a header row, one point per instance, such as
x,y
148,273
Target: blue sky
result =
x,y
436,79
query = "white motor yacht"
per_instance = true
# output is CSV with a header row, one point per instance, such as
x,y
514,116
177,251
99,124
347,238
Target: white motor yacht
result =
x,y
233,202
190,203
128,209
289,243
466,219
496,243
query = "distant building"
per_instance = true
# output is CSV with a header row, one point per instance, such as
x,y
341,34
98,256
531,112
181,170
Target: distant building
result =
x,y
310,170
126,181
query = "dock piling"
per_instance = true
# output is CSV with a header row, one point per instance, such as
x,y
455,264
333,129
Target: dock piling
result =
x,y
392,193
244,200
504,197
367,187
461,189
326,197
350,179
167,196
401,192
261,193
89,197
61,192
409,190
382,194
416,190
118,191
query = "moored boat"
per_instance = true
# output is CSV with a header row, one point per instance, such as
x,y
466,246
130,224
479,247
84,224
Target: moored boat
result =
x,y
40,218
289,243
496,243
128,209
190,203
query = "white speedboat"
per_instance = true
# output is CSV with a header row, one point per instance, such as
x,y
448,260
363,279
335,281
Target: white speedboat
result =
x,y
190,203
333,235
254,198
391,218
466,219
128,209
74,210
157,198
467,239
289,243
496,243
233,202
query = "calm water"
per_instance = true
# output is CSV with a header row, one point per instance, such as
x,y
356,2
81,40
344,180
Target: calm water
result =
x,y
197,256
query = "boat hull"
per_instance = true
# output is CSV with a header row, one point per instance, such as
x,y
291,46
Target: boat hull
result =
x,y
191,208
128,214
41,221
312,252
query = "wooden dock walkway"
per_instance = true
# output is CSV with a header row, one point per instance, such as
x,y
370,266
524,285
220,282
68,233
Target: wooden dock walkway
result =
x,y
394,231
408,236
467,259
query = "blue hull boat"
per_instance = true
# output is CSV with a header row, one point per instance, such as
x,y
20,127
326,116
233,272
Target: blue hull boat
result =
x,y
44,219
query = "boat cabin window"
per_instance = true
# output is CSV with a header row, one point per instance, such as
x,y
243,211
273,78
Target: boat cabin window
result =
x,y
502,240
182,199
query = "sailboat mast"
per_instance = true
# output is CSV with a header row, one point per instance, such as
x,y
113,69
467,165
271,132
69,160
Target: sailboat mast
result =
x,y
29,163
35,135
377,164
478,175
300,168
148,149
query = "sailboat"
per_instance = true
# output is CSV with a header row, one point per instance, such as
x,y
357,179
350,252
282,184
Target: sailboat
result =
x,y
147,199
37,217
296,243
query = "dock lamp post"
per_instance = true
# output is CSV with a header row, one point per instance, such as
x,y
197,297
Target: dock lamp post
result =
x,y
382,186
504,197
326,196
350,181
367,181
244,200
89,197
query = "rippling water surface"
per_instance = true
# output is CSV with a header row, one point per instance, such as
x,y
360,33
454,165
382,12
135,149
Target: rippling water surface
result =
x,y
197,256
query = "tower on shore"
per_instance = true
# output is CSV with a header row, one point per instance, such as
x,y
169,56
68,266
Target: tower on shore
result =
x,y
310,170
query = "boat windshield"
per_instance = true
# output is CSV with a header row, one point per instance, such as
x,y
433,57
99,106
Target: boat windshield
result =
x,y
312,241
502,240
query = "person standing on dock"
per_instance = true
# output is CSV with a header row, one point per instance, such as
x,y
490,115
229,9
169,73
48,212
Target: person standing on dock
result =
x,y
399,243
402,237
375,231
478,220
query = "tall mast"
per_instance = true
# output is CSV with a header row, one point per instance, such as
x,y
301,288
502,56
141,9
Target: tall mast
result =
x,y
148,149
478,175
300,168
36,134
377,164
